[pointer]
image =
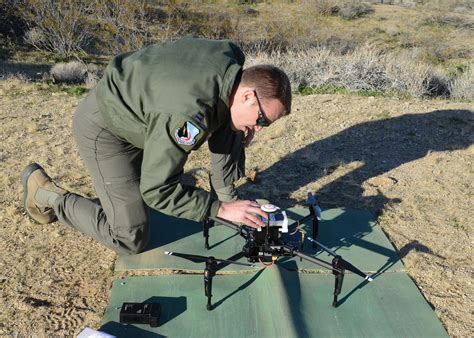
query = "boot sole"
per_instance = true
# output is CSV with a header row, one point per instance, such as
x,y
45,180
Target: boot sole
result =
x,y
25,175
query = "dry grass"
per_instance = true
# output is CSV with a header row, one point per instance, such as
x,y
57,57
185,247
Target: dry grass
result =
x,y
388,48
463,86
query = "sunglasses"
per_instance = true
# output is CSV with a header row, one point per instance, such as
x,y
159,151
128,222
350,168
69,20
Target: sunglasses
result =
x,y
262,120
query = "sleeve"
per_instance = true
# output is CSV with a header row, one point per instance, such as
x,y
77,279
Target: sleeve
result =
x,y
168,141
227,157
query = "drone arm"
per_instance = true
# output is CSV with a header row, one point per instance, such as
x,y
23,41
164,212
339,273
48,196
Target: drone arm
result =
x,y
340,261
314,260
325,248
241,230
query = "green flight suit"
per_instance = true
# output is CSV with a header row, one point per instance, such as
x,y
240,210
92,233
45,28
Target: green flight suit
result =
x,y
135,131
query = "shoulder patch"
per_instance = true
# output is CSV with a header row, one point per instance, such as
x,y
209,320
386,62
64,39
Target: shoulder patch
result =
x,y
187,134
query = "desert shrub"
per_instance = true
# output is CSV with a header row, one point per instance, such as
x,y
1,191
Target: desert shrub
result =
x,y
75,72
12,25
326,8
462,87
57,26
437,53
246,10
352,11
406,74
119,25
282,37
176,20
70,28
70,72
448,20
319,67
362,71
436,85
464,8
347,11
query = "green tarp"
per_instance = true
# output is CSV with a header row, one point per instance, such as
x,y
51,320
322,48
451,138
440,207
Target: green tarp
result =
x,y
289,299
277,303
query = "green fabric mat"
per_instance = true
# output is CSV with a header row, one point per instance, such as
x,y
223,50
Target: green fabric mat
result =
x,y
351,233
275,302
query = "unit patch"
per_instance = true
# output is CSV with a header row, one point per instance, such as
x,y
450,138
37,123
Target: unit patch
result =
x,y
187,134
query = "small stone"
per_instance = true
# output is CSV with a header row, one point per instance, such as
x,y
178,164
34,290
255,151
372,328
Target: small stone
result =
x,y
382,181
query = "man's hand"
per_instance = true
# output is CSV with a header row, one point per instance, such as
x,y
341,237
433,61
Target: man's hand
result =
x,y
242,212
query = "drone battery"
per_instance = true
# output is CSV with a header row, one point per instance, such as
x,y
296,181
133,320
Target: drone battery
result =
x,y
140,313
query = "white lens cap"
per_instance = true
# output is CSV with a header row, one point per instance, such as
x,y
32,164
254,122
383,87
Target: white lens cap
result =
x,y
269,208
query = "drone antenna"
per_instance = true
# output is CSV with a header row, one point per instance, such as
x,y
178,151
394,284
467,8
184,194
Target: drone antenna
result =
x,y
315,212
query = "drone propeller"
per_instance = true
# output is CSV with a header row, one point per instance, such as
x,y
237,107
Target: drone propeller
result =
x,y
203,259
341,262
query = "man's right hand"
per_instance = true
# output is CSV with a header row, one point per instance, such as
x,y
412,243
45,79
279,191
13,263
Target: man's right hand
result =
x,y
242,212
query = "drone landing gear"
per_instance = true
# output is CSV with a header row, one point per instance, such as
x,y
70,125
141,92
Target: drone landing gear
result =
x,y
210,270
205,232
338,272
209,273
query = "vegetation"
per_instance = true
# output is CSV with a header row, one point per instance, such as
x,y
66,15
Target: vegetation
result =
x,y
329,46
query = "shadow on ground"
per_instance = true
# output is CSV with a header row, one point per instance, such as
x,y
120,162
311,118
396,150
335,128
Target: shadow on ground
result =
x,y
380,146
28,71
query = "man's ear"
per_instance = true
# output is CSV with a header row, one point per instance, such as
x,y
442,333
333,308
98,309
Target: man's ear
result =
x,y
248,96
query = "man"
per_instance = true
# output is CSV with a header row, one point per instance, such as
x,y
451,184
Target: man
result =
x,y
135,130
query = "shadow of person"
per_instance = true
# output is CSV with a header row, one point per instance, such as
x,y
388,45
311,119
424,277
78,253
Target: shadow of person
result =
x,y
376,147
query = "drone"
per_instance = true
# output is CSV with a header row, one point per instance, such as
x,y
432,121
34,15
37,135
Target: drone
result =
x,y
267,244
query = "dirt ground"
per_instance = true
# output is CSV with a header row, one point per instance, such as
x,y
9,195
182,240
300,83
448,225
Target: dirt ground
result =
x,y
410,162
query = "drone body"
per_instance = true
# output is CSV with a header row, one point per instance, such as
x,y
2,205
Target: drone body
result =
x,y
267,244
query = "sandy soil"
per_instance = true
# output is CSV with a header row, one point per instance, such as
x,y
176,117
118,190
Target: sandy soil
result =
x,y
408,161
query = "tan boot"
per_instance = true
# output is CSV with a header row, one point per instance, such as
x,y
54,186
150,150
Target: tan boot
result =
x,y
39,193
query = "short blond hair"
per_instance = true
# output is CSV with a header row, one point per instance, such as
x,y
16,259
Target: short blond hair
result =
x,y
270,82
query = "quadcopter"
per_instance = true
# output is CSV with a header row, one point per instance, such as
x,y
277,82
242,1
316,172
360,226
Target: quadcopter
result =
x,y
267,244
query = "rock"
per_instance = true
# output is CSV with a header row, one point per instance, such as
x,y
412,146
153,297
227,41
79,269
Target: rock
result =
x,y
382,181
